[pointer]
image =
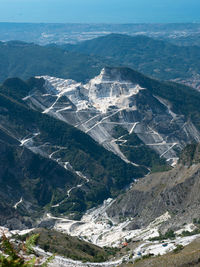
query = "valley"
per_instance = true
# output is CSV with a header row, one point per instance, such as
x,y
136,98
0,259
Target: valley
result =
x,y
100,162
96,228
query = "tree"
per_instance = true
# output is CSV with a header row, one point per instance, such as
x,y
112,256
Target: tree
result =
x,y
18,255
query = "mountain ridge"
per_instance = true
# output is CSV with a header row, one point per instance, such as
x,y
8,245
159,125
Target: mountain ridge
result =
x,y
155,58
174,191
121,97
166,62
134,115
83,165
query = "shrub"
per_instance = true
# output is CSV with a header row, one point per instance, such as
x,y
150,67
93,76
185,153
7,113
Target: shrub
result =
x,y
16,255
178,248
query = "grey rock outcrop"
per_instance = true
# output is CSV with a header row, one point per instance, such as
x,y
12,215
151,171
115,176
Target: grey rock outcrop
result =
x,y
175,191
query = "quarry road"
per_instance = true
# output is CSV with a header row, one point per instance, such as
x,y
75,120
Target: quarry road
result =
x,y
59,261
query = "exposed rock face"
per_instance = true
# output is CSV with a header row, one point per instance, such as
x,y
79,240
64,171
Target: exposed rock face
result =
x,y
190,155
175,191
72,172
111,100
47,164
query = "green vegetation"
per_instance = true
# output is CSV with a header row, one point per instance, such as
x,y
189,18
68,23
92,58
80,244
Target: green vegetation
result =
x,y
136,151
184,100
25,60
119,131
17,254
72,247
108,174
144,257
187,257
165,62
178,248
168,235
155,58
194,232
145,156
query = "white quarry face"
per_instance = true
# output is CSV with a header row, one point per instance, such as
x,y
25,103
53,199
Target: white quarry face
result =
x,y
99,93
107,101
104,92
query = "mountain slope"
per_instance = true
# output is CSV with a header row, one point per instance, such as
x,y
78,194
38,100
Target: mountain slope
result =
x,y
128,113
175,191
28,183
25,60
187,257
143,121
63,169
83,61
155,58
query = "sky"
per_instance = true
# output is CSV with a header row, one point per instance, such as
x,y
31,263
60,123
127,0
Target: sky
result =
x,y
100,11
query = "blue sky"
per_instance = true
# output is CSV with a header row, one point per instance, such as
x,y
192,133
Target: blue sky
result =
x,y
108,11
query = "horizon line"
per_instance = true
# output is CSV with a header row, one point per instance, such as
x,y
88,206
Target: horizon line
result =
x,y
99,23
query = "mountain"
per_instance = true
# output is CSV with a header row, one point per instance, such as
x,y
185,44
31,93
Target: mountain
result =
x,y
28,183
155,58
131,115
83,61
60,33
48,164
141,125
175,192
187,257
24,60
71,247
100,160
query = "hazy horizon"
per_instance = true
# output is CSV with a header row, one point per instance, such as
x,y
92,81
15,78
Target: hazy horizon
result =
x,y
104,11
